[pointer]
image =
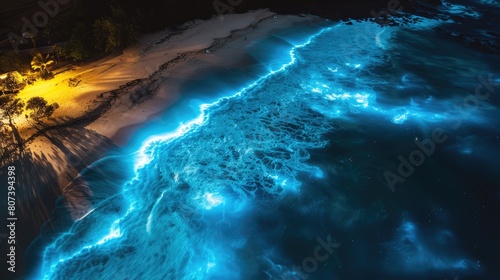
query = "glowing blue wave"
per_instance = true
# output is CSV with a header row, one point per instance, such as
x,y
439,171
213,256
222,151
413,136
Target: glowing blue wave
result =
x,y
144,153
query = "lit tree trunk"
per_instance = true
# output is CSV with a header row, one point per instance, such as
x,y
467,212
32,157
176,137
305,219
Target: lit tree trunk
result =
x,y
17,135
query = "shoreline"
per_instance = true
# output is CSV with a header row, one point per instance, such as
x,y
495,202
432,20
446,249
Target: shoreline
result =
x,y
111,117
167,82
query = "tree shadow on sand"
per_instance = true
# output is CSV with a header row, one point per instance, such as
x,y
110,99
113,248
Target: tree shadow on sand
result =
x,y
48,196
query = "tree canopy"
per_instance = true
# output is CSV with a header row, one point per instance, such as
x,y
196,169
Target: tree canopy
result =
x,y
11,106
40,108
114,32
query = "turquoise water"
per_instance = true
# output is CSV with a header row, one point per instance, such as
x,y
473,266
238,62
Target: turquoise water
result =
x,y
256,177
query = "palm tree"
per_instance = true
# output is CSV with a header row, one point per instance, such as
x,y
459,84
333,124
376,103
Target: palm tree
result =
x,y
40,62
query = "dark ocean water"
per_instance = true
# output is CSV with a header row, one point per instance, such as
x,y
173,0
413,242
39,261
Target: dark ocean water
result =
x,y
345,151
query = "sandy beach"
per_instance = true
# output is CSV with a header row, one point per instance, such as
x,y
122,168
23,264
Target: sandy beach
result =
x,y
175,55
167,65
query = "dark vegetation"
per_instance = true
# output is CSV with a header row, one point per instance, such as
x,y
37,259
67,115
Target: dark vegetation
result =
x,y
12,61
87,28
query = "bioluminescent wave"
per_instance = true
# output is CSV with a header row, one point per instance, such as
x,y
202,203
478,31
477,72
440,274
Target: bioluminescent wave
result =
x,y
209,200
